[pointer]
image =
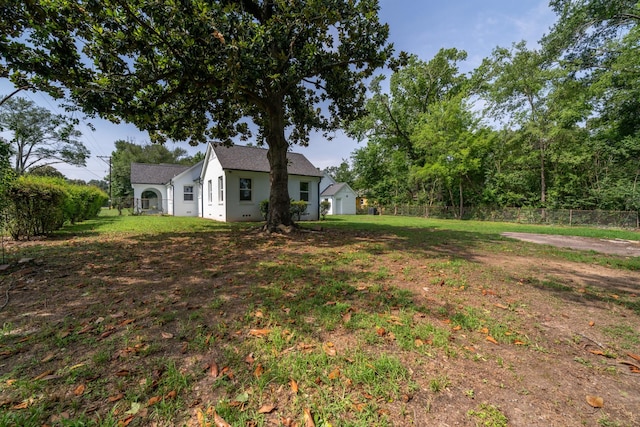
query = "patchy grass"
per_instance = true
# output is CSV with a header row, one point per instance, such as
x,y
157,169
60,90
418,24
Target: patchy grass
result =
x,y
375,321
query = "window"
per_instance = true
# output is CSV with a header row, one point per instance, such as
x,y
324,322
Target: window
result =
x,y
245,189
304,191
188,193
221,189
209,191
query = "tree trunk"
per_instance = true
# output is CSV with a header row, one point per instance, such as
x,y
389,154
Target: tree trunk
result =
x,y
461,199
543,180
279,201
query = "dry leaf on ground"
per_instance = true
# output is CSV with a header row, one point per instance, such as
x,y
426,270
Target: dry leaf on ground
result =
x,y
595,401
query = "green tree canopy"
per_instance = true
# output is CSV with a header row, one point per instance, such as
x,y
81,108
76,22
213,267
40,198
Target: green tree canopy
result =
x,y
200,70
40,138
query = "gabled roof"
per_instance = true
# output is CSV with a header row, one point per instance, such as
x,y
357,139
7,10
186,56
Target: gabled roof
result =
x,y
147,173
334,189
254,159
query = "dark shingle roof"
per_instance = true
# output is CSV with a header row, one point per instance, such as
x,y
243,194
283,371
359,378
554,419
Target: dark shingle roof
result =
x,y
147,173
240,157
333,189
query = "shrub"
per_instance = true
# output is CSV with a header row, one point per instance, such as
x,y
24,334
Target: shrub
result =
x,y
36,206
298,207
325,205
264,208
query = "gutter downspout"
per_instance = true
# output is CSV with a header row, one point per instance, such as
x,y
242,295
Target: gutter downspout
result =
x,y
319,198
173,198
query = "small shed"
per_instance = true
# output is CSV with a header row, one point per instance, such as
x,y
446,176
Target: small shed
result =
x,y
342,199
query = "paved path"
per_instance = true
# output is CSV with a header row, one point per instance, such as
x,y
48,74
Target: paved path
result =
x,y
616,246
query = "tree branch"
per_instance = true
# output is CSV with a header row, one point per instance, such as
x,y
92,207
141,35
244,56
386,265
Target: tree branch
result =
x,y
6,98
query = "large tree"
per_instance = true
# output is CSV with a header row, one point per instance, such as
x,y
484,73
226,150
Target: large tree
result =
x,y
39,137
206,70
391,120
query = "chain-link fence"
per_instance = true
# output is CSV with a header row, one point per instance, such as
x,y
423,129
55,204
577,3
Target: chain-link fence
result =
x,y
570,217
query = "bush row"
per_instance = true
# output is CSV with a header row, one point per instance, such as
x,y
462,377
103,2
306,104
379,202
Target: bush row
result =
x,y
39,205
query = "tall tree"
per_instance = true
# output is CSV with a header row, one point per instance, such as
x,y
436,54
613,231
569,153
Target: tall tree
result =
x,y
40,138
392,118
519,83
196,70
454,145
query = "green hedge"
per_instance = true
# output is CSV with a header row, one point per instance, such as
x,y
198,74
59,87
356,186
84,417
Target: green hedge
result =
x,y
39,205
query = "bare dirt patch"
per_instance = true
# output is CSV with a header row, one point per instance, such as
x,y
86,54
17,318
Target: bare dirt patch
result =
x,y
116,315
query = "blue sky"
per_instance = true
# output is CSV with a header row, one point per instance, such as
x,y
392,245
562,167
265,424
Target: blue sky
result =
x,y
420,27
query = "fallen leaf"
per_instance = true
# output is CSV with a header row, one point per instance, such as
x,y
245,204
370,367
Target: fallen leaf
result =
x,y
126,322
167,335
518,342
491,339
171,395
219,421
595,401
485,331
135,408
23,405
214,371
48,358
418,342
259,332
634,356
249,359
329,348
126,421
258,371
592,323
259,314
115,398
346,318
123,373
334,374
155,399
502,306
266,409
381,332
294,386
202,421
44,374
597,352
457,328
308,419
184,348
79,390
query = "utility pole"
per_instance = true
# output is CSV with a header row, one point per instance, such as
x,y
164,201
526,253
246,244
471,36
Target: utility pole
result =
x,y
110,180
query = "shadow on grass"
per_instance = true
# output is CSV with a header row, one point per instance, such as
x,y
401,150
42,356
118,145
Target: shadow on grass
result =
x,y
123,306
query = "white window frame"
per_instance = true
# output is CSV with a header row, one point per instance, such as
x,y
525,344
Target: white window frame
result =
x,y
306,192
220,189
243,191
188,193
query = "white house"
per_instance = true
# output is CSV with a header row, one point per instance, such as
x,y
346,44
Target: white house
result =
x,y
236,179
339,194
164,188
228,185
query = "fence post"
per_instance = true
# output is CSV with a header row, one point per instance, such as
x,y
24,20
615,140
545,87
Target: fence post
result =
x,y
570,217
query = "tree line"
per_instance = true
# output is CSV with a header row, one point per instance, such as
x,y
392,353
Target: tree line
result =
x,y
555,127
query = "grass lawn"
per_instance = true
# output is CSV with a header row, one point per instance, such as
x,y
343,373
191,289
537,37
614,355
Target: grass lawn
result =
x,y
357,321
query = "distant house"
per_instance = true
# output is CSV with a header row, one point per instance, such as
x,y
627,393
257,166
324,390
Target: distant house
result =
x,y
339,194
165,188
228,185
